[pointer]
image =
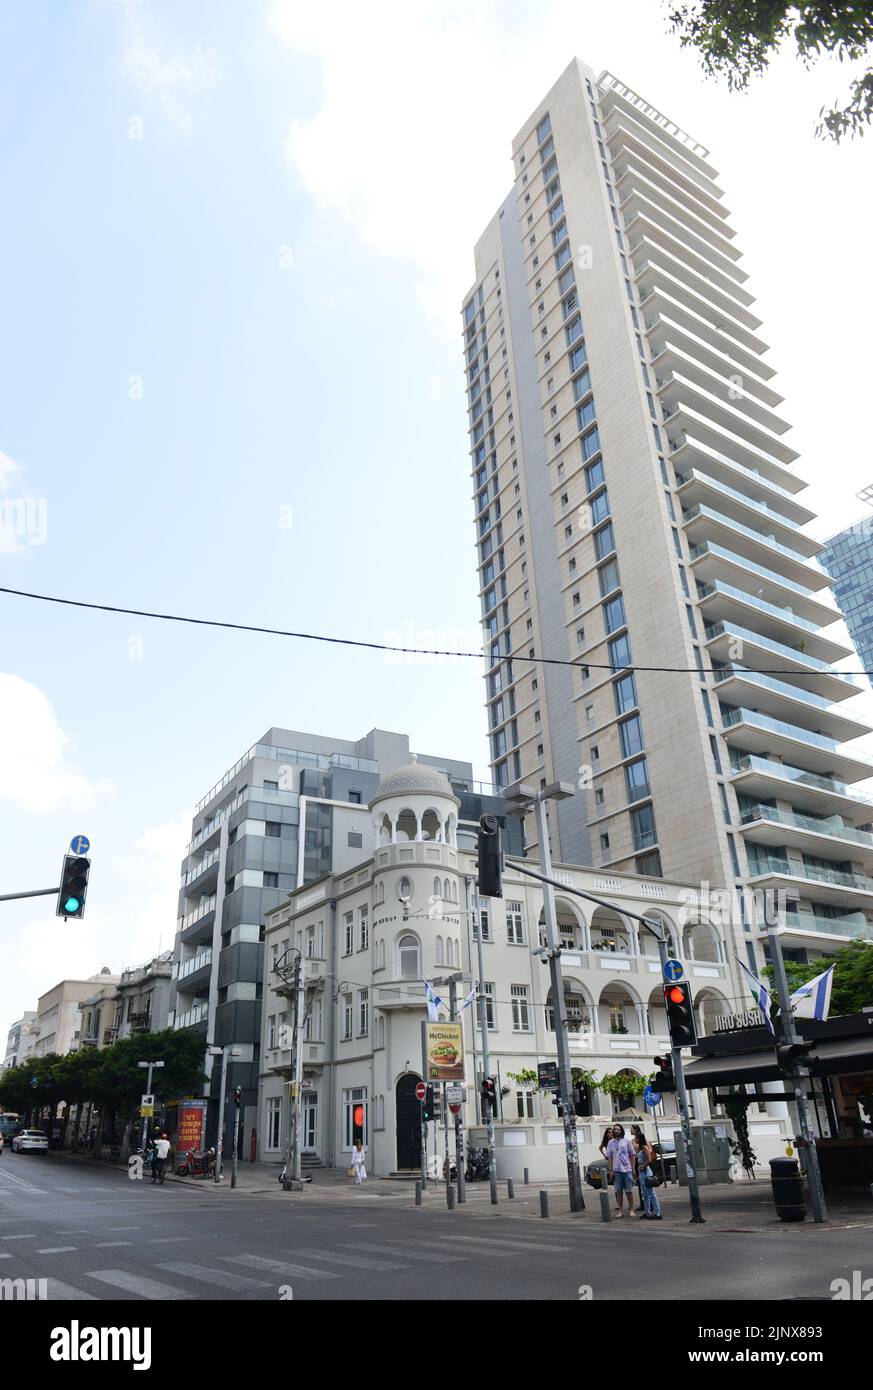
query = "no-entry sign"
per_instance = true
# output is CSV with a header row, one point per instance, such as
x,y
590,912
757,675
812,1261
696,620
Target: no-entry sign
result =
x,y
420,1091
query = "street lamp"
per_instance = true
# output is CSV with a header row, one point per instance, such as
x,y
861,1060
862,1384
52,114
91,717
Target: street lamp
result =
x,y
521,798
223,1053
151,1067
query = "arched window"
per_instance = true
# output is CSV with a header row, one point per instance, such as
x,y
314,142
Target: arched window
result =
x,y
447,892
635,1087
439,952
577,1009
409,958
454,890
648,944
382,954
407,825
437,890
404,888
609,932
431,825
701,942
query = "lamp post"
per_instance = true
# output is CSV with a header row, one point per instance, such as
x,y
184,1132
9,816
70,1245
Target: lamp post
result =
x,y
520,799
152,1066
224,1053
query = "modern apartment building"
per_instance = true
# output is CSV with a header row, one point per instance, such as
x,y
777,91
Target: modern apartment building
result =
x,y
849,560
638,519
291,809
20,1039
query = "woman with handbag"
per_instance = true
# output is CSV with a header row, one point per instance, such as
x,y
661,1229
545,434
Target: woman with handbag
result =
x,y
645,1172
357,1168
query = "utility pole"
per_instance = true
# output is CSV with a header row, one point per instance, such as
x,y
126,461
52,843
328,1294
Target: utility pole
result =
x,y
800,1078
151,1066
219,1143
486,1053
459,1131
298,1063
237,1101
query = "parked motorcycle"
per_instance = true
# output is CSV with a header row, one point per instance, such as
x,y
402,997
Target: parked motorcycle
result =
x,y
197,1164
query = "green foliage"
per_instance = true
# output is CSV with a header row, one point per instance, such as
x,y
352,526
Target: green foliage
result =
x,y
613,1084
853,976
737,1111
737,39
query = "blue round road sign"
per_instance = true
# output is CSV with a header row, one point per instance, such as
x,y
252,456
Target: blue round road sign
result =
x,y
673,970
80,844
651,1097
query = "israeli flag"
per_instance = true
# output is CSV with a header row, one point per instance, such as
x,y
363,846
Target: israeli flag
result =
x,y
470,997
434,1003
813,1000
760,991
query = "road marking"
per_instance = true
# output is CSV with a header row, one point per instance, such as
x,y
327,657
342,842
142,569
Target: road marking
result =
x,y
289,1271
110,1244
500,1244
429,1257
17,1237
56,1249
124,1228
356,1262
166,1240
4,1256
138,1284
58,1290
222,1278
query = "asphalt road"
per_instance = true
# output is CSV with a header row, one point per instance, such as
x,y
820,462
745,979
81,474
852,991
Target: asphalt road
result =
x,y
94,1235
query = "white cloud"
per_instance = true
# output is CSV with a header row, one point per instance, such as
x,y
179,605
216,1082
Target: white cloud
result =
x,y
37,774
165,74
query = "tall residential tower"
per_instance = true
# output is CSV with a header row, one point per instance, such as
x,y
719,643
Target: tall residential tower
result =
x,y
638,519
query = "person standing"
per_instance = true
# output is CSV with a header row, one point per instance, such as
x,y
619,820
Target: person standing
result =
x,y
161,1150
358,1163
645,1157
607,1135
1,1143
622,1162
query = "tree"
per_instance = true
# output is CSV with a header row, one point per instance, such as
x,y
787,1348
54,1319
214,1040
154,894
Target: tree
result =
x,y
852,988
736,39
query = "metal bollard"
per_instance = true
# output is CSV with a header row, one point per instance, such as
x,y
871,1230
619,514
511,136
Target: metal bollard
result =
x,y
510,1188
450,1198
527,1178
544,1204
605,1207
418,1192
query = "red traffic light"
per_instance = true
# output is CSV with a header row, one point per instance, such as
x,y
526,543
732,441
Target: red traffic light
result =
x,y
676,994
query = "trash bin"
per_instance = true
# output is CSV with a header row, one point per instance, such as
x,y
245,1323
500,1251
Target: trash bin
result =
x,y
597,1175
787,1189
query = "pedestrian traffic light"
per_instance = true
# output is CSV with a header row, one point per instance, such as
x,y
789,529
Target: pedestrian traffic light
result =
x,y
358,1123
74,885
237,1095
680,1015
489,858
557,1101
664,1079
489,1096
428,1111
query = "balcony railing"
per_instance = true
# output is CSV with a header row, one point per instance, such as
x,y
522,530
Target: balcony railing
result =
x,y
197,869
829,926
709,513
197,962
751,762
745,634
192,1016
780,687
813,823
769,512
730,717
722,553
208,905
784,614
751,473
837,877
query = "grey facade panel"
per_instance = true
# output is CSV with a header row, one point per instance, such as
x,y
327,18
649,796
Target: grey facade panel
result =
x,y
238,1022
243,961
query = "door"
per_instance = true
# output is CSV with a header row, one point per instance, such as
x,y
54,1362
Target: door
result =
x,y
408,1111
310,1122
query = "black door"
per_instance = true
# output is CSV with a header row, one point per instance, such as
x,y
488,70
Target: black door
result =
x,y
408,1123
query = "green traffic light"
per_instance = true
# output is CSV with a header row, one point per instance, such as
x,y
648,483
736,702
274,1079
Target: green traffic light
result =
x,y
71,905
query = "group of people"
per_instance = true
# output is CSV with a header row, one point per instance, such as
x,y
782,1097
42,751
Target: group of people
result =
x,y
631,1159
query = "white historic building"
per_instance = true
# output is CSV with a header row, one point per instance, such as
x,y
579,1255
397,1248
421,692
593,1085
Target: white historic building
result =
x,y
368,936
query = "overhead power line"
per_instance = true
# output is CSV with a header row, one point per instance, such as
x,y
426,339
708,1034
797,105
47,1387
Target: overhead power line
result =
x,y
384,646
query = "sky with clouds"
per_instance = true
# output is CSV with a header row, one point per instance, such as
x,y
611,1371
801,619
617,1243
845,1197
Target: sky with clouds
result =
x,y
234,247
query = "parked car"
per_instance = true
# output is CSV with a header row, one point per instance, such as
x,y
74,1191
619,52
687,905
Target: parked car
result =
x,y
33,1141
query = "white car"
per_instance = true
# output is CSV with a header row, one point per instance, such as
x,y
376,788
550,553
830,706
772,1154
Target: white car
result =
x,y
30,1141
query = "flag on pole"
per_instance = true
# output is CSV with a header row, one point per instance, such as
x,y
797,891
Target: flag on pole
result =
x,y
434,1003
470,997
761,993
813,1000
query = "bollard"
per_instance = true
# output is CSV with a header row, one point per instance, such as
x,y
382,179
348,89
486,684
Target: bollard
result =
x,y
510,1188
527,1178
418,1192
605,1207
450,1198
544,1204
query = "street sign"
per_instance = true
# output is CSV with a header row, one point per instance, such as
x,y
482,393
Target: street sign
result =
x,y
673,970
455,1109
80,844
651,1097
147,1100
455,1095
420,1091
146,1112
547,1075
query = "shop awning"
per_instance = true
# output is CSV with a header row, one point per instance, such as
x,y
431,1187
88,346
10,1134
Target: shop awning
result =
x,y
841,1055
732,1069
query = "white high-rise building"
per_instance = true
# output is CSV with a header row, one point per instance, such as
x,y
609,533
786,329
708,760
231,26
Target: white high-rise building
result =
x,y
638,518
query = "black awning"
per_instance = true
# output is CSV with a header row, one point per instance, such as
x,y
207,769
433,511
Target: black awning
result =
x,y
838,1055
732,1069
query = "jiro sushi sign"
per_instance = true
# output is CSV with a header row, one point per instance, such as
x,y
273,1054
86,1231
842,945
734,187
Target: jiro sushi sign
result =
x,y
443,1051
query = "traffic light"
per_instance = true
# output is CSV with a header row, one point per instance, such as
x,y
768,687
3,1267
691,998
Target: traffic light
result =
x,y
74,885
664,1080
680,1015
428,1104
489,1096
358,1123
787,1053
237,1095
558,1103
490,858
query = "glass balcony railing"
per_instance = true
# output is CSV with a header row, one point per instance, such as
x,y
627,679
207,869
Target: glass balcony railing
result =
x,y
198,1014
778,648
780,687
829,926
837,877
709,513
750,473
206,863
730,717
197,962
719,486
785,614
813,823
300,757
722,553
751,762
208,905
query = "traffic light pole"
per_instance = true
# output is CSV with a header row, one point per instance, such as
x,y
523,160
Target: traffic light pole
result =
x,y
678,1065
486,1054
559,1010
236,1103
800,1079
36,893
